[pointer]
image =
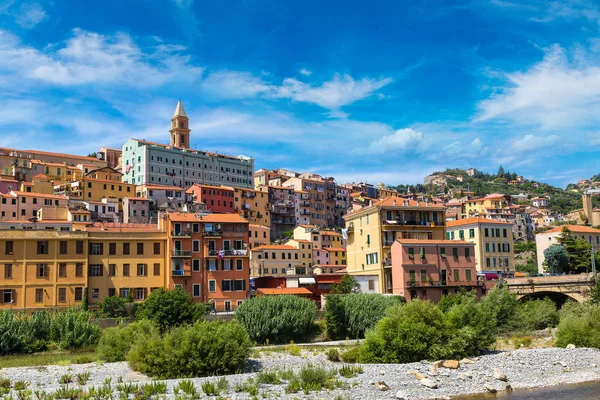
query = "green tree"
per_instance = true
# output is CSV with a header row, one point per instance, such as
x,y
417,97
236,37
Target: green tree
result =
x,y
557,259
113,307
530,267
169,308
347,285
595,293
288,234
501,172
501,305
578,250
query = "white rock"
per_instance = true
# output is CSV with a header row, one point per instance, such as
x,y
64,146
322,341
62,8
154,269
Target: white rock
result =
x,y
401,395
571,346
428,383
500,375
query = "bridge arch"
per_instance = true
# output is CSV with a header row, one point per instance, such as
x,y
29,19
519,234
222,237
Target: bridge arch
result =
x,y
559,298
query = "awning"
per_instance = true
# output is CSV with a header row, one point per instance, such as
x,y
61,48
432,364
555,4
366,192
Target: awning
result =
x,y
306,281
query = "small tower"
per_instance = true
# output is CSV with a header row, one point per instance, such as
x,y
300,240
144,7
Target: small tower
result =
x,y
180,132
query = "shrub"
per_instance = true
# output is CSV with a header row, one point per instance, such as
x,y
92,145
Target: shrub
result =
x,y
351,315
73,329
114,307
205,348
470,328
276,318
210,389
268,377
314,378
351,356
535,315
170,308
116,342
333,355
579,325
10,337
293,349
449,301
502,305
350,371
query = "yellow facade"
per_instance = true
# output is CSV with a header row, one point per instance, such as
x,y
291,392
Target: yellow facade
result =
x,y
91,189
56,172
273,260
126,262
372,231
480,206
305,261
253,205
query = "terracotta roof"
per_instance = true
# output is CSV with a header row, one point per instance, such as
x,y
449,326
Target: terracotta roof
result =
x,y
160,187
275,291
401,202
574,228
494,196
40,176
331,266
259,226
475,220
333,249
210,218
307,226
301,241
136,198
329,233
149,229
274,247
423,242
32,194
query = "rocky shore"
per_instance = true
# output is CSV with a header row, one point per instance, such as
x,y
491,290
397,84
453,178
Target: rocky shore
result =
x,y
512,370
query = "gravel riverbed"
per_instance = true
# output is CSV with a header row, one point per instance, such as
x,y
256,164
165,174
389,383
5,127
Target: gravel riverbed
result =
x,y
521,369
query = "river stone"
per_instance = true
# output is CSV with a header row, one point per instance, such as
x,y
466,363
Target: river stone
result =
x,y
428,383
381,385
401,395
490,388
571,346
437,364
419,376
467,361
500,375
452,364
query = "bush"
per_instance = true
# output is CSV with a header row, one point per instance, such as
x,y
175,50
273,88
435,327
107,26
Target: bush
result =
x,y
279,319
74,329
170,308
579,325
114,307
351,356
10,337
535,315
470,326
115,343
205,348
502,305
333,355
351,315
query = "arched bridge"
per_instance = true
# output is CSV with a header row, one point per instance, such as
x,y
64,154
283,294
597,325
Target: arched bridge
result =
x,y
559,288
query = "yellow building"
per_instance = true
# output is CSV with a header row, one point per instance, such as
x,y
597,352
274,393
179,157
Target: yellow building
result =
x,y
253,205
56,172
126,262
42,268
481,206
304,264
373,229
258,235
92,189
493,240
273,260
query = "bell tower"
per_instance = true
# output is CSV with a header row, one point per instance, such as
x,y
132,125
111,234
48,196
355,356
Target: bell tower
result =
x,y
180,132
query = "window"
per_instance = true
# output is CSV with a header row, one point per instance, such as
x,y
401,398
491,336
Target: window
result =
x,y
7,271
112,269
195,246
196,290
79,270
196,265
79,247
212,286
140,293
156,269
371,284
368,239
62,295
467,253
124,293
487,247
125,269
273,270
471,233
8,247
95,293
62,270
239,265
487,262
423,275
211,265
62,247
126,247
41,270
422,252
42,247
227,303
7,296
411,253
96,270
141,270
456,275
157,248
39,295
468,274
140,249
112,292
443,252
504,233
97,249
78,294
240,284
413,275
486,232
455,253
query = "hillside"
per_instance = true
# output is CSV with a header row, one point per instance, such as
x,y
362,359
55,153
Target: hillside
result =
x,y
457,180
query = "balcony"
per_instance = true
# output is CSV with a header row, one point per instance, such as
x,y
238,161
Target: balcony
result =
x,y
181,233
304,212
387,262
181,269
214,233
437,283
248,195
387,243
304,204
425,224
181,253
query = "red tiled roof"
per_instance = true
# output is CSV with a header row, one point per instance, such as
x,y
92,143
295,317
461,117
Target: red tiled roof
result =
x,y
274,247
474,220
574,228
333,249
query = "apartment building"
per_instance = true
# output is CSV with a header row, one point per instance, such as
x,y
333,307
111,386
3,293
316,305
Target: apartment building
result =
x,y
546,239
253,205
494,243
39,184
136,210
56,172
217,199
42,269
282,208
162,196
484,205
274,260
258,235
304,264
431,269
23,205
373,229
177,164
125,262
208,257
89,188
313,198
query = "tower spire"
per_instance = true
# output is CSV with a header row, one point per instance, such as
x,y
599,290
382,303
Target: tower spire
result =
x,y
180,132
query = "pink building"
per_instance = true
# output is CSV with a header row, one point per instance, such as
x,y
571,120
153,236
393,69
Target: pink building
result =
x,y
7,185
430,269
28,204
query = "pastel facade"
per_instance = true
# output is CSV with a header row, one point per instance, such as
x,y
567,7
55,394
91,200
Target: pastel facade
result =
x,y
136,210
93,189
145,162
163,197
217,199
494,243
258,235
253,205
430,269
282,209
546,239
23,206
373,229
304,264
273,260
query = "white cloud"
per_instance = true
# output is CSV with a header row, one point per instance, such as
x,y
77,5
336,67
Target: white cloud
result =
x,y
555,93
234,85
305,72
30,15
533,143
458,150
402,139
92,58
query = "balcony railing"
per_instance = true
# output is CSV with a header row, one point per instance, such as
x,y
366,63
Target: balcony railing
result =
x,y
181,253
215,233
412,223
181,233
304,204
437,283
180,272
225,253
248,195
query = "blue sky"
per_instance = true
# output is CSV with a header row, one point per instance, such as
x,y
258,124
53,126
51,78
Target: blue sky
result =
x,y
378,91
